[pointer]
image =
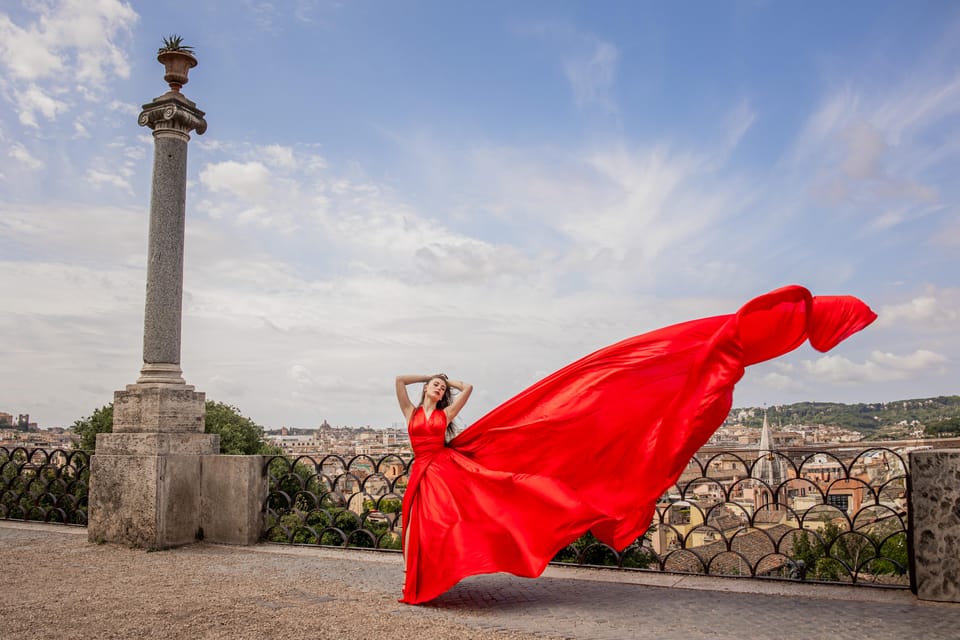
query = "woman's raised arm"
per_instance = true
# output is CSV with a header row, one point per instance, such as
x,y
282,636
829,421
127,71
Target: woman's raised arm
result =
x,y
406,406
465,390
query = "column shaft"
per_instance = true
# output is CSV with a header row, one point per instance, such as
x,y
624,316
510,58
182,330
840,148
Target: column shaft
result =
x,y
162,316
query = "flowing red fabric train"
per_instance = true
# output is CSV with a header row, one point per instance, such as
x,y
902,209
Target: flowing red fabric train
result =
x,y
594,445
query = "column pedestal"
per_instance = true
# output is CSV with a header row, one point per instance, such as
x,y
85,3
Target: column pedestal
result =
x,y
145,478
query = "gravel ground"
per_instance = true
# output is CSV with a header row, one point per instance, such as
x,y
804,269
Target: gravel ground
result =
x,y
57,585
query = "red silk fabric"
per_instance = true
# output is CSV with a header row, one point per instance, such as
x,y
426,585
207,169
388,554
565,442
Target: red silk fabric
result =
x,y
594,445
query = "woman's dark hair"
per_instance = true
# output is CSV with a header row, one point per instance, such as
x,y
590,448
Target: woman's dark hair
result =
x,y
443,402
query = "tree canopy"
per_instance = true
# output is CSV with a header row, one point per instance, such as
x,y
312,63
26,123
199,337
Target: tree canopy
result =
x,y
239,435
100,421
948,427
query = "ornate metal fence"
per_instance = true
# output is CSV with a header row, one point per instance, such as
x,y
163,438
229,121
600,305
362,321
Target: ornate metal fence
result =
x,y
330,501
801,515
49,486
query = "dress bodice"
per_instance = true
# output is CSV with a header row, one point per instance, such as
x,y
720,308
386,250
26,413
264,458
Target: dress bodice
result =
x,y
427,433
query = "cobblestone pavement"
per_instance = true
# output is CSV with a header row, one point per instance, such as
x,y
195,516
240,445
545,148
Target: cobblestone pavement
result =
x,y
216,591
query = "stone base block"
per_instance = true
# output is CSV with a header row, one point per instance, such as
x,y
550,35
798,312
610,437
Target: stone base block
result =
x,y
146,501
146,408
233,491
935,510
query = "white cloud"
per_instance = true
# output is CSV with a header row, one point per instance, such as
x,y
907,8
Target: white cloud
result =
x,y
469,260
65,49
112,179
778,381
124,107
73,36
246,180
20,153
916,361
76,234
937,308
881,367
922,308
34,101
23,53
26,52
279,156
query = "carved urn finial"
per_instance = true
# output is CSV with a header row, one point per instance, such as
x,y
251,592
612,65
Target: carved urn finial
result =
x,y
177,60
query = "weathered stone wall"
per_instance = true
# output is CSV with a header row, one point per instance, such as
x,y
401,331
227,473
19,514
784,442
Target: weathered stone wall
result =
x,y
233,490
935,510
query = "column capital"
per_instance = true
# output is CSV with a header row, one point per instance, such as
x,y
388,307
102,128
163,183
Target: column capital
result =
x,y
174,115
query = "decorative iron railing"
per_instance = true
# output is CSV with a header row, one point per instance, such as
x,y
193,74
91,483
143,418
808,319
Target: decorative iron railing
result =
x,y
802,515
44,485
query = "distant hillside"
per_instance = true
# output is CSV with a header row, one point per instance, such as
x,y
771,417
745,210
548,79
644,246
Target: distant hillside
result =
x,y
874,420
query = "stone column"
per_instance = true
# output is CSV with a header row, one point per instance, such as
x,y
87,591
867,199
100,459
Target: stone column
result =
x,y
934,504
146,476
172,117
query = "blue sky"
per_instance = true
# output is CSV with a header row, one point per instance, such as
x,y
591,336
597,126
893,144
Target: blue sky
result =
x,y
487,189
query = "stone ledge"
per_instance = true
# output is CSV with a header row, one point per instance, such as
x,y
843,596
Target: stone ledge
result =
x,y
141,444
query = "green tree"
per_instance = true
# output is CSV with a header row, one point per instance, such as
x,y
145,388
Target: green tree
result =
x,y
239,435
100,421
824,557
594,552
948,427
387,505
818,564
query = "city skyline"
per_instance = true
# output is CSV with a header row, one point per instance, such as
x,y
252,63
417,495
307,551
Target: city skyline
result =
x,y
491,191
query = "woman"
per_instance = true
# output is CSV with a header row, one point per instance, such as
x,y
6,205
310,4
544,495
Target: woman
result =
x,y
459,518
592,446
436,395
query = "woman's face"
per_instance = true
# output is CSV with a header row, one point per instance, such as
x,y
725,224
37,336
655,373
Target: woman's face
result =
x,y
436,387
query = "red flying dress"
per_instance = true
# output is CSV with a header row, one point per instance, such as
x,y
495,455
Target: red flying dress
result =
x,y
594,445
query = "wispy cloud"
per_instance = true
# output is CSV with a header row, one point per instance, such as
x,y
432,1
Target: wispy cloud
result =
x,y
33,101
112,179
20,153
737,122
589,62
592,76
869,148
